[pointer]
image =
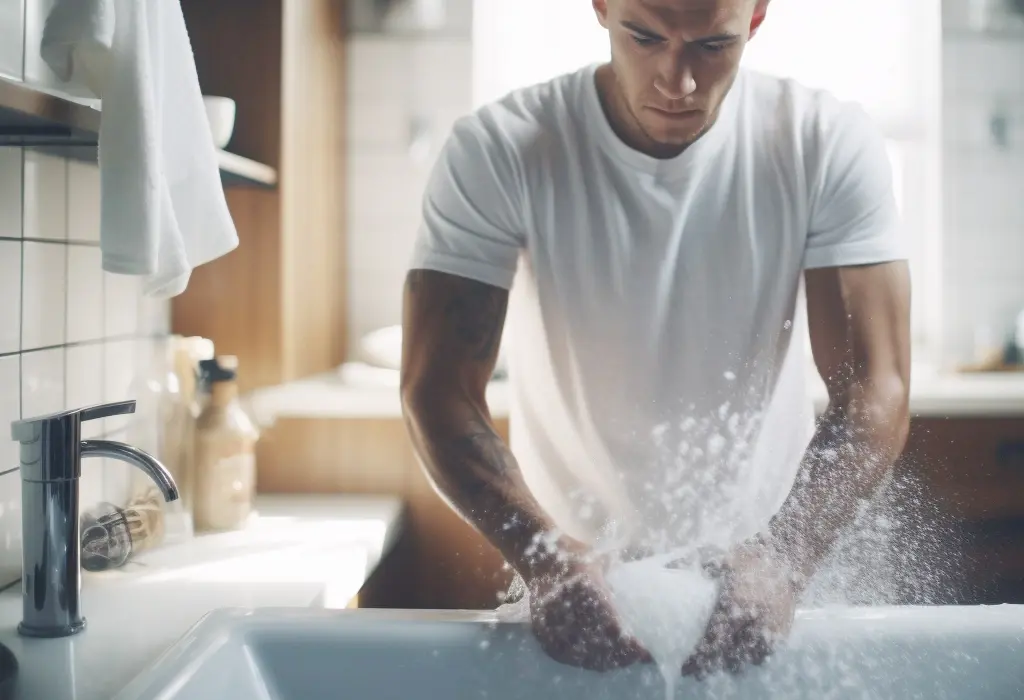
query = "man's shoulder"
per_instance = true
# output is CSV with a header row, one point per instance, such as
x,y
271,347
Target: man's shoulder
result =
x,y
815,116
525,119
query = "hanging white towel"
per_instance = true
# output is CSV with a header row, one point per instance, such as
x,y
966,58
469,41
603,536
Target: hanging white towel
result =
x,y
163,210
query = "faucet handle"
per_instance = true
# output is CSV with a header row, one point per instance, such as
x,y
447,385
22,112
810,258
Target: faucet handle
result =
x,y
28,429
107,410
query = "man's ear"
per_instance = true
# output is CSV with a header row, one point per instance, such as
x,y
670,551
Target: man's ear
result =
x,y
601,10
756,21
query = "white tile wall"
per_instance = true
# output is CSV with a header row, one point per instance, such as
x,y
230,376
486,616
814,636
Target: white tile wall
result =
x,y
10,191
122,304
43,294
45,196
83,202
10,410
85,294
397,88
62,321
42,382
10,297
983,211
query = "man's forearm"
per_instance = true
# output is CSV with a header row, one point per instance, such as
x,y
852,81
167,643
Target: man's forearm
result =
x,y
856,443
475,471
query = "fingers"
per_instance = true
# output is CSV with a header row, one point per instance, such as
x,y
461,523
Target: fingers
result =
x,y
581,630
731,644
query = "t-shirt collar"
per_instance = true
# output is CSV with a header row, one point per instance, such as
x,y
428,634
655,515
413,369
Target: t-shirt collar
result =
x,y
662,167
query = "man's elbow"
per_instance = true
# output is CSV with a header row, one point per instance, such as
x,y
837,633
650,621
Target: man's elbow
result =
x,y
885,405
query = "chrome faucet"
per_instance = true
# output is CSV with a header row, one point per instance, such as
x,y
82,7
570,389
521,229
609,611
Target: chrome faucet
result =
x,y
51,454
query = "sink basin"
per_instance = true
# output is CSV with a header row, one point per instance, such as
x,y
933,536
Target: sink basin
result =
x,y
307,654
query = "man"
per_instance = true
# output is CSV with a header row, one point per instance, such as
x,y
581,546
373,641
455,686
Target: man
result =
x,y
674,225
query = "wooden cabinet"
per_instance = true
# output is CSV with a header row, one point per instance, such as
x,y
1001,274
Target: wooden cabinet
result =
x,y
971,472
441,561
959,531
278,301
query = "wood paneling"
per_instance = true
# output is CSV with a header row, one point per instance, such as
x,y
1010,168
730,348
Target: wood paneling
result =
x,y
235,300
971,471
277,302
449,564
312,186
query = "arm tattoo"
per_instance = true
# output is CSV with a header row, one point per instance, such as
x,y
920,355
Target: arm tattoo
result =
x,y
477,315
474,311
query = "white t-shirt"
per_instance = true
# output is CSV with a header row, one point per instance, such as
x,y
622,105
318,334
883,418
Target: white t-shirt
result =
x,y
656,330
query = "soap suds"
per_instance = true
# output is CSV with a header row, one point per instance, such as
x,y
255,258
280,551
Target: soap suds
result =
x,y
666,610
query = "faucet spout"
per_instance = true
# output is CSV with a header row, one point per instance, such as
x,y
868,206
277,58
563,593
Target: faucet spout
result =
x,y
137,458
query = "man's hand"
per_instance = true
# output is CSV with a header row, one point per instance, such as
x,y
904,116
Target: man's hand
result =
x,y
755,610
575,623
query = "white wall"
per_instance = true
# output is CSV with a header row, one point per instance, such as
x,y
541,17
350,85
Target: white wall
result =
x,y
983,206
521,43
395,86
932,94
69,332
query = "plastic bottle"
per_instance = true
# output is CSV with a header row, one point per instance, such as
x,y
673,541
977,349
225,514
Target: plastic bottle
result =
x,y
225,460
164,425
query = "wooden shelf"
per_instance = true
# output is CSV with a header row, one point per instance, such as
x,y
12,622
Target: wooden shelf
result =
x,y
35,118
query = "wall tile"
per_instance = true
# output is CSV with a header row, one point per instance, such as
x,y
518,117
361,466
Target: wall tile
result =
x,y
42,382
10,527
10,296
84,382
982,67
10,409
386,192
10,192
982,191
83,201
119,368
376,299
121,293
85,294
442,73
154,316
378,125
45,196
44,295
379,69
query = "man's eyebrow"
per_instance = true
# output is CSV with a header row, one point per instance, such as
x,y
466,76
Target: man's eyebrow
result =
x,y
637,29
716,38
647,33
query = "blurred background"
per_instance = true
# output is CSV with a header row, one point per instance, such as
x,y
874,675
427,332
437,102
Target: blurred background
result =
x,y
341,109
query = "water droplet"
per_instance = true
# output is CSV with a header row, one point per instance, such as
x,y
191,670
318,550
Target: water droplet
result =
x,y
787,325
485,644
730,376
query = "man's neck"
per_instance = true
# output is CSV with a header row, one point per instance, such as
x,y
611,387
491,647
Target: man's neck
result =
x,y
624,123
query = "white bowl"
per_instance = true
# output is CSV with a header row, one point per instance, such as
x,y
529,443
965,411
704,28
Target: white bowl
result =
x,y
220,111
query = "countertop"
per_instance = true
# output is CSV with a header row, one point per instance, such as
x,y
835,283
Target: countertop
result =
x,y
299,551
364,394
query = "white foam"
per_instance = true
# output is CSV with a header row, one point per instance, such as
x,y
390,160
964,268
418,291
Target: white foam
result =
x,y
666,610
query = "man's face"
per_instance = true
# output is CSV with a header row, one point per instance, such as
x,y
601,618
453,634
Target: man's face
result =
x,y
675,60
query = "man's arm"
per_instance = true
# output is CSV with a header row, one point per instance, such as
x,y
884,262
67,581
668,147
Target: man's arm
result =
x,y
860,336
451,334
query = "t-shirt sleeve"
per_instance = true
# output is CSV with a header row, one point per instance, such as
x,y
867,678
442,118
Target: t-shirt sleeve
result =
x,y
472,210
854,219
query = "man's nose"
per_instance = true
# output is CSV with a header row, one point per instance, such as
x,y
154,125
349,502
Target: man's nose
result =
x,y
675,80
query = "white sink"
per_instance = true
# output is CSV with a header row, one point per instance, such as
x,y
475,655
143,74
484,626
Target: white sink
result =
x,y
292,654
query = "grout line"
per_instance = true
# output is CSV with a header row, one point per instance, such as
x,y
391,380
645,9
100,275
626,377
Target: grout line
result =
x,y
10,585
94,341
58,241
21,291
10,471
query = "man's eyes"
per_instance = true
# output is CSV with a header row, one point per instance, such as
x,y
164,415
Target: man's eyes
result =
x,y
712,47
